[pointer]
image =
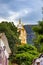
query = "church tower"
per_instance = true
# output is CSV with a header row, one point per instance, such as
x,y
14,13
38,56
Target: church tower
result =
x,y
23,35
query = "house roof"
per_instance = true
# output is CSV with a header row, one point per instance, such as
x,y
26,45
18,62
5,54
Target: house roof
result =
x,y
4,39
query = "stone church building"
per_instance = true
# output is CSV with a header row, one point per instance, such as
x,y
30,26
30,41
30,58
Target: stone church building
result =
x,y
22,31
26,33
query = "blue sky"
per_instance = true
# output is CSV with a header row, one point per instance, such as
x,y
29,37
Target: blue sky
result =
x,y
28,10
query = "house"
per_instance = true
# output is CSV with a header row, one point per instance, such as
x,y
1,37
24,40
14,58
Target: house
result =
x,y
38,61
4,50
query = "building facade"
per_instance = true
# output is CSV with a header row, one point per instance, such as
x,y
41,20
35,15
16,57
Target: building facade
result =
x,y
26,33
22,31
4,50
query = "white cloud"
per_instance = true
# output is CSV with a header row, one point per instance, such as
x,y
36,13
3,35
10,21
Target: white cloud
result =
x,y
13,16
22,13
6,12
2,19
31,23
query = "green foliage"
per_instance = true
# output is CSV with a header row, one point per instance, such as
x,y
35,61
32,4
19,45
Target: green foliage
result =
x,y
21,54
25,54
11,33
38,41
10,63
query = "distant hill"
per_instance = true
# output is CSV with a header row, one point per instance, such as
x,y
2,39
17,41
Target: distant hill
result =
x,y
30,33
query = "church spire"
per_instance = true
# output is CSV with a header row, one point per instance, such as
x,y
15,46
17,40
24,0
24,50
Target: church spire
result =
x,y
19,24
19,20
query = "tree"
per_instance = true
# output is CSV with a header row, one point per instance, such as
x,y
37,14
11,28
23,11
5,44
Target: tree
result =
x,y
38,41
21,54
11,33
25,54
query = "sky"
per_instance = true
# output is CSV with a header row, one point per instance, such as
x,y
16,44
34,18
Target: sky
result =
x,y
28,10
